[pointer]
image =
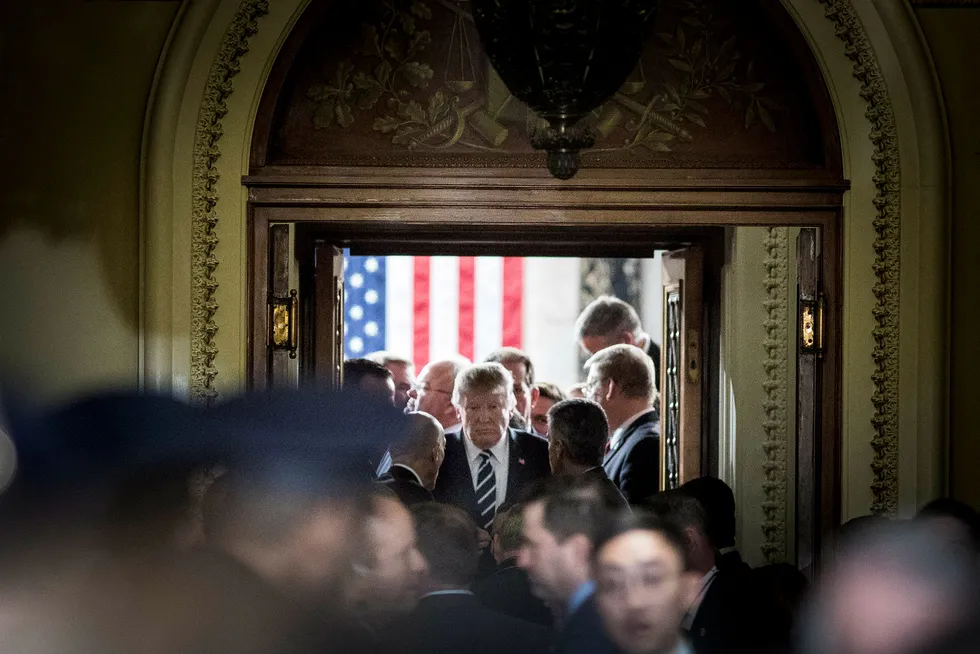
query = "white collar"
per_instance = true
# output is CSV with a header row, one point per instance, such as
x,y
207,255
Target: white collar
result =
x,y
498,451
618,434
706,581
458,427
409,468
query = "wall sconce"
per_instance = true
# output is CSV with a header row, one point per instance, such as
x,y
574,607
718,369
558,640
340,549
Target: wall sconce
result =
x,y
283,323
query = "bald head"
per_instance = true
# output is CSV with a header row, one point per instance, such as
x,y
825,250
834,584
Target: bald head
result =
x,y
423,449
433,391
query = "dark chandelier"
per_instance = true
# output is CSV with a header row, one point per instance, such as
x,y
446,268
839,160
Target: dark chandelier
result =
x,y
563,59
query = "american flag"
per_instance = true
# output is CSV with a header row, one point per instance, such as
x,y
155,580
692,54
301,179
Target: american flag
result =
x,y
429,308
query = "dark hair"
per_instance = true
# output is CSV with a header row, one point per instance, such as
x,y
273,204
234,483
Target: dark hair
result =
x,y
718,501
581,428
683,511
357,370
550,391
580,504
625,522
945,507
448,543
513,355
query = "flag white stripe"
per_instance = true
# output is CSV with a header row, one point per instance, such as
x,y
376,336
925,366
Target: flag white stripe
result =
x,y
399,298
489,313
443,308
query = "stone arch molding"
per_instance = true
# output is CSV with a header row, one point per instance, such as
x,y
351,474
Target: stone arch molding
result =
x,y
193,245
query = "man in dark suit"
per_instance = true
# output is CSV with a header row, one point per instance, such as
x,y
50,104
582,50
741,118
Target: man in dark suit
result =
x,y
563,518
416,461
621,382
718,502
577,437
728,613
508,589
488,466
449,619
610,321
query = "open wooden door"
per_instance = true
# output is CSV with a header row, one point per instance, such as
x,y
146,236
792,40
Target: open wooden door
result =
x,y
810,351
282,366
681,367
323,363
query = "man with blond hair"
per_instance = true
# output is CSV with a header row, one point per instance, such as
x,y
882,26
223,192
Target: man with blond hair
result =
x,y
487,465
621,382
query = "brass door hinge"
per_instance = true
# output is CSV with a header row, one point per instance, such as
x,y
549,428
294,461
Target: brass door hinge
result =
x,y
283,323
812,326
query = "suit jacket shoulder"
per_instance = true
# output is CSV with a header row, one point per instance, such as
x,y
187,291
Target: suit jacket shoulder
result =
x,y
635,464
583,633
405,486
452,624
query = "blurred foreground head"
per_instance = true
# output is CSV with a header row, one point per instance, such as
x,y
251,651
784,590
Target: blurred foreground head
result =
x,y
104,487
897,589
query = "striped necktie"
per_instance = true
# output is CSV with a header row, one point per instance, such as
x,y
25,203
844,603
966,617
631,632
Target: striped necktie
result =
x,y
486,491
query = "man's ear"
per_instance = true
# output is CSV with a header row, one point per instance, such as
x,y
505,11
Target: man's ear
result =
x,y
628,338
535,394
580,548
611,389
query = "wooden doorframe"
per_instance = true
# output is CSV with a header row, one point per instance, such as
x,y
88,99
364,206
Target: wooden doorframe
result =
x,y
378,206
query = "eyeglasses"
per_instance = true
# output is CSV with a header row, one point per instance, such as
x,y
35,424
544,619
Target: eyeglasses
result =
x,y
425,388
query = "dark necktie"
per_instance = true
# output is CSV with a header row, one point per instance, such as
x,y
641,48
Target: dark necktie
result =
x,y
486,491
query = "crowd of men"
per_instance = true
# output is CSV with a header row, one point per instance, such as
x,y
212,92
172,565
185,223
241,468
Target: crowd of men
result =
x,y
469,508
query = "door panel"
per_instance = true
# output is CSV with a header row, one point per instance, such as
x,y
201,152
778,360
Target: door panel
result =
x,y
681,367
809,352
327,315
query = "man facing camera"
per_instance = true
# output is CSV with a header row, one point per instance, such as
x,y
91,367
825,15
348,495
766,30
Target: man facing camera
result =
x,y
621,382
488,465
449,619
643,585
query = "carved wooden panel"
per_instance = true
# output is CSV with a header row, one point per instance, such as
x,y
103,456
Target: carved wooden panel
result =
x,y
405,83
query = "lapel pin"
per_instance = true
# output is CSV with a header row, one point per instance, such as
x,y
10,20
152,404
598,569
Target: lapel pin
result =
x,y
521,461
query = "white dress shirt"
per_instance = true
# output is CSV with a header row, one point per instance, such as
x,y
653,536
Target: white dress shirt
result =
x,y
617,436
499,460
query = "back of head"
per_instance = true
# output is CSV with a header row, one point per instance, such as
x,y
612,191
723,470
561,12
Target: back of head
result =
x,y
513,355
718,501
574,505
580,429
356,371
955,513
679,509
629,367
447,539
507,528
897,588
607,317
424,435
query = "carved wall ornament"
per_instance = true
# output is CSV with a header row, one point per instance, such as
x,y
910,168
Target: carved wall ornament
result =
x,y
204,214
775,426
418,78
887,222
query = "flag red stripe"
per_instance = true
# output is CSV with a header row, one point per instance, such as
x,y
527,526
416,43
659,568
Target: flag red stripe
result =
x,y
420,350
467,313
513,296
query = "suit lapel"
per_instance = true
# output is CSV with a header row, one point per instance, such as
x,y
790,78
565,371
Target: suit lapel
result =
x,y
515,468
460,482
612,461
